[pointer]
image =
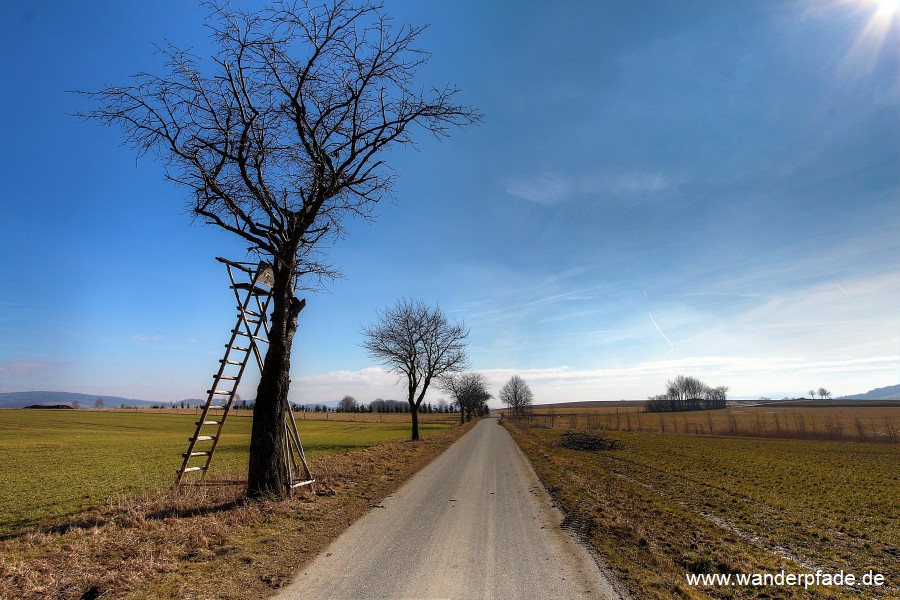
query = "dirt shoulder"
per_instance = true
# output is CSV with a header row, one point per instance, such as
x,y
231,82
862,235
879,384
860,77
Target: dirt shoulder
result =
x,y
206,543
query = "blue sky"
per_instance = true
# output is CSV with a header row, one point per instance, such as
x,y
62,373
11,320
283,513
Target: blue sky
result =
x,y
658,188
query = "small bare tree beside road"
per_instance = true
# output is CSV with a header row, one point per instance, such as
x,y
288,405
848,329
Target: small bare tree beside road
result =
x,y
516,394
420,344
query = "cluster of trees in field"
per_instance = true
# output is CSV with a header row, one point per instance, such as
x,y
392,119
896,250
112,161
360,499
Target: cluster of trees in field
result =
x,y
688,393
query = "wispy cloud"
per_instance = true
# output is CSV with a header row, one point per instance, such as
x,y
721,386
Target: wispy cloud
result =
x,y
544,189
145,338
27,368
553,188
631,183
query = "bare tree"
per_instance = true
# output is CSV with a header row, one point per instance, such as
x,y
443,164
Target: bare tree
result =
x,y
469,390
99,404
278,143
516,394
812,394
348,404
823,393
688,393
418,342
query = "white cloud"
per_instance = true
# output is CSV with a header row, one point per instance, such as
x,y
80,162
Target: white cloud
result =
x,y
27,368
553,188
545,189
145,338
631,183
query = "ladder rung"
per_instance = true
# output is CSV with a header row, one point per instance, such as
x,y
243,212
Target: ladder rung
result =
x,y
202,438
245,334
302,483
215,407
253,289
222,393
238,348
194,469
228,377
230,362
252,313
208,423
204,453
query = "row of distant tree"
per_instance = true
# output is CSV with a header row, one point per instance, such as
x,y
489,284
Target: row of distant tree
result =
x,y
349,404
688,393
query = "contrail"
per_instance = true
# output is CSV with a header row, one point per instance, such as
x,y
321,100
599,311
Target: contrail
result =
x,y
843,290
660,331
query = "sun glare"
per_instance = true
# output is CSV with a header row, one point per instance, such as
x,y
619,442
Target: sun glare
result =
x,y
867,47
888,6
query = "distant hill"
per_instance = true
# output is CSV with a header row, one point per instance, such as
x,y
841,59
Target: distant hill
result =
x,y
23,399
891,392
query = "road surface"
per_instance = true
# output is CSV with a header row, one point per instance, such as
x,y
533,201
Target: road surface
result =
x,y
475,523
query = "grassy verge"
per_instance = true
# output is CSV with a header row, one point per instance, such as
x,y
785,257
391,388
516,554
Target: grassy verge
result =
x,y
667,505
206,543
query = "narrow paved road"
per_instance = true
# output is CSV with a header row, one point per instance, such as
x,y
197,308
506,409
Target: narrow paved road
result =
x,y
476,523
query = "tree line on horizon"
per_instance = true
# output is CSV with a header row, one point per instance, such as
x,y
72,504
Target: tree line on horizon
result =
x,y
686,393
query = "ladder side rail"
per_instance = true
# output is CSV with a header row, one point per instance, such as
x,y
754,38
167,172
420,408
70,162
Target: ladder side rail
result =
x,y
242,319
197,431
228,404
242,306
211,396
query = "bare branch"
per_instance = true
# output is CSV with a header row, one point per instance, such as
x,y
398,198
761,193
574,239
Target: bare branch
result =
x,y
288,128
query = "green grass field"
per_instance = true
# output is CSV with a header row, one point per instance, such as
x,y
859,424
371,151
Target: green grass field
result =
x,y
57,463
666,505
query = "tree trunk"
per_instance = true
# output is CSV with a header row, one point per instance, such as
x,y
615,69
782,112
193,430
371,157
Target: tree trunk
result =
x,y
268,474
414,414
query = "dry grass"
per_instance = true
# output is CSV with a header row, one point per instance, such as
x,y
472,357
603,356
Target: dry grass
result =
x,y
666,505
205,542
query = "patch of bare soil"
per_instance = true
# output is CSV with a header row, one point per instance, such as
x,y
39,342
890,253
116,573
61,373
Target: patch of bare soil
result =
x,y
587,442
206,542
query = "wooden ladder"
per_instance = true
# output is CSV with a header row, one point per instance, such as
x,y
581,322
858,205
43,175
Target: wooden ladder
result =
x,y
252,286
